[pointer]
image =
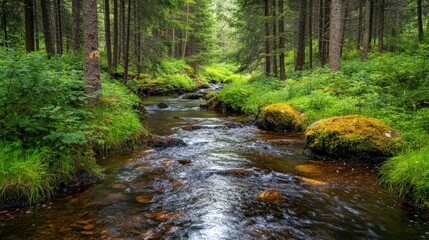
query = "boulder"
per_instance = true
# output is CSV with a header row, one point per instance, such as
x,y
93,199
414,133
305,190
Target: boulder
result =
x,y
280,117
192,96
352,137
165,142
162,105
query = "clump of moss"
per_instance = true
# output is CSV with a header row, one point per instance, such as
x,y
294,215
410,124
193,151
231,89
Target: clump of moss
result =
x,y
280,117
352,137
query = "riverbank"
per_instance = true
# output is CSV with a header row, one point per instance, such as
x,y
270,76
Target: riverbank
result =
x,y
389,87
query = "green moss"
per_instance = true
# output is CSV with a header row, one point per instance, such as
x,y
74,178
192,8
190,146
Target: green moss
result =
x,y
352,137
280,117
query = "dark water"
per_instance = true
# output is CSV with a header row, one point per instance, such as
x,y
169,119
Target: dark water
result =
x,y
150,195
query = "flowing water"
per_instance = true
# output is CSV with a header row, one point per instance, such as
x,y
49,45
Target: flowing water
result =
x,y
149,194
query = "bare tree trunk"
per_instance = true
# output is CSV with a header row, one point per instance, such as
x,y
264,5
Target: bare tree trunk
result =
x,y
58,30
371,22
420,20
91,65
335,35
46,17
29,26
321,33
344,18
127,44
300,50
76,28
121,30
326,23
366,30
275,68
36,26
107,35
267,39
310,33
282,41
185,40
115,35
381,26
359,30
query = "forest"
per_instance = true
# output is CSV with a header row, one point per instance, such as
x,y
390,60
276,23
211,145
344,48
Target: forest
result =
x,y
338,84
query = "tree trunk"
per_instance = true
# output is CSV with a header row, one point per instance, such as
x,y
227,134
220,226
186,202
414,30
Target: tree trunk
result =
x,y
115,35
76,28
335,35
300,50
185,40
58,31
29,26
420,20
344,18
359,30
310,33
282,41
371,22
381,27
127,44
267,39
91,65
275,68
326,26
107,35
46,17
321,33
36,26
366,30
121,30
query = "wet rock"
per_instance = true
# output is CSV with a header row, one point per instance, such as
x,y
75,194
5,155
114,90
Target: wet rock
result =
x,y
279,118
192,96
168,163
308,168
162,105
162,216
185,161
286,142
237,172
192,127
166,142
116,196
88,227
144,199
270,195
149,235
83,222
313,182
119,186
87,233
352,137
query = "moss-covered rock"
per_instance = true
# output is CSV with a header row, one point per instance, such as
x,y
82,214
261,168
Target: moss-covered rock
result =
x,y
352,137
280,117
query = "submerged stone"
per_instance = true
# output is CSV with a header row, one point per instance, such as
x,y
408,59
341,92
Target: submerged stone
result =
x,y
144,199
352,137
270,195
162,105
165,142
192,96
280,117
184,161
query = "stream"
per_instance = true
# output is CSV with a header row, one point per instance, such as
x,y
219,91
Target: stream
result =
x,y
209,190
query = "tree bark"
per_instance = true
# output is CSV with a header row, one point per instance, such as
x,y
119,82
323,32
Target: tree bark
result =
x,y
420,20
29,25
115,35
366,30
300,50
381,26
121,30
275,68
107,35
335,35
282,41
127,44
46,17
267,39
185,40
36,27
91,66
326,26
359,30
58,30
310,33
76,28
321,33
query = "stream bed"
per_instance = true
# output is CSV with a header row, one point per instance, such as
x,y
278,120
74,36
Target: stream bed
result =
x,y
209,190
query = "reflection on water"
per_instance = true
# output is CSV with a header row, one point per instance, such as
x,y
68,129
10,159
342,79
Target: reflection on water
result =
x,y
208,190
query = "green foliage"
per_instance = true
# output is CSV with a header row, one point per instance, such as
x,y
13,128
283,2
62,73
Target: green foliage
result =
x,y
408,175
215,72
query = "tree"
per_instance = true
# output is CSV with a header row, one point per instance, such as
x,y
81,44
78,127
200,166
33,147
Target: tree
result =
x,y
381,26
267,38
91,66
127,43
420,20
310,33
107,35
29,25
282,41
76,28
185,39
335,35
274,23
300,50
46,17
5,24
367,30
58,27
115,35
